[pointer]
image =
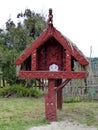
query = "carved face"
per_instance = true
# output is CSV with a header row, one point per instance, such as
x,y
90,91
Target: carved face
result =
x,y
53,67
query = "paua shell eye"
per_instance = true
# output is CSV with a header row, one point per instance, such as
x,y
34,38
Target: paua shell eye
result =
x,y
53,67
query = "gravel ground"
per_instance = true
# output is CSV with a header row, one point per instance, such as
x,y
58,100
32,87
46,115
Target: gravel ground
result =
x,y
63,126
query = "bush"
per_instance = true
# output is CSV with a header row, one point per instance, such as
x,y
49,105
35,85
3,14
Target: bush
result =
x,y
20,91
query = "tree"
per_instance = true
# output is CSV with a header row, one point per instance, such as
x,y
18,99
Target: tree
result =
x,y
34,23
15,39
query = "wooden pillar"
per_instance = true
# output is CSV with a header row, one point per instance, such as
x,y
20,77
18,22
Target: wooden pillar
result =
x,y
33,60
50,101
59,95
68,61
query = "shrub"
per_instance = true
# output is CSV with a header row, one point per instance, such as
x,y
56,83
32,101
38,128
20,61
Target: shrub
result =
x,y
20,91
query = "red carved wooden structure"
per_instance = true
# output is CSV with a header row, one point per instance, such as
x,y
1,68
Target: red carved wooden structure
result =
x,y
52,56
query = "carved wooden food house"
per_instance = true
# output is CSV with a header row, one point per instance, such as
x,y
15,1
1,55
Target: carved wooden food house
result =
x,y
52,56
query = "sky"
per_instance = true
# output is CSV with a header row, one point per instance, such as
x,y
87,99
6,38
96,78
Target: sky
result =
x,y
75,19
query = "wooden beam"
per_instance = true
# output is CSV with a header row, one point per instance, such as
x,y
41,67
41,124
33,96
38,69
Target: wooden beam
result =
x,y
53,75
62,84
59,94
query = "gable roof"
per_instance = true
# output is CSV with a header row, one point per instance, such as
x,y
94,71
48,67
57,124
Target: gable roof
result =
x,y
51,31
64,41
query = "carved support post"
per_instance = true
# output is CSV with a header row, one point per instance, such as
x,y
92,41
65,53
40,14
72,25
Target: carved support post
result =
x,y
59,95
50,101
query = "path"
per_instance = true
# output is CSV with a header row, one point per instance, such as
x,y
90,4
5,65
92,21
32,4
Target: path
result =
x,y
63,126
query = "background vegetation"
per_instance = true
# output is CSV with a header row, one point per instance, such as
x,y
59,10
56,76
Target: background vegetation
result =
x,y
20,91
14,39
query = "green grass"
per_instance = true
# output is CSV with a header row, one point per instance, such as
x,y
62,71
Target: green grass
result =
x,y
23,113
82,112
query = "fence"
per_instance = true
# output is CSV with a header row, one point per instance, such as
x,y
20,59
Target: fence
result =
x,y
86,92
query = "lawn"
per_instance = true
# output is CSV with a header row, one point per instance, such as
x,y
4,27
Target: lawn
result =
x,y
22,113
82,112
